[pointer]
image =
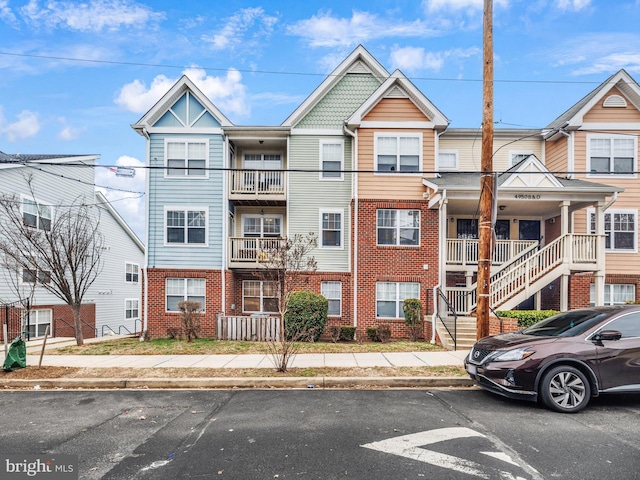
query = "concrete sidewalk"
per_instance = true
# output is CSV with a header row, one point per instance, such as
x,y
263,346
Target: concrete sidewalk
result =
x,y
301,360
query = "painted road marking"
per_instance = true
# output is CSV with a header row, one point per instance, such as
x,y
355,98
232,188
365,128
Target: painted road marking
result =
x,y
410,446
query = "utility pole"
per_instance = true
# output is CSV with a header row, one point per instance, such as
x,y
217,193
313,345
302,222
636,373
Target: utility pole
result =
x,y
485,224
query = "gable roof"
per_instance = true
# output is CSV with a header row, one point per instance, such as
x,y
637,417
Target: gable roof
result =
x,y
183,85
16,160
102,200
516,178
359,61
398,85
573,117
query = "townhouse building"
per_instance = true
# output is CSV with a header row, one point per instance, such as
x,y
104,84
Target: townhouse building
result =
x,y
369,164
45,186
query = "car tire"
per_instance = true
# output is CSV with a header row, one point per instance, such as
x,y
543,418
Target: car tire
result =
x,y
565,389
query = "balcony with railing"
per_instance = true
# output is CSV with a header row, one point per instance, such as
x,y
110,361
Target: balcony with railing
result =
x,y
245,252
257,185
462,253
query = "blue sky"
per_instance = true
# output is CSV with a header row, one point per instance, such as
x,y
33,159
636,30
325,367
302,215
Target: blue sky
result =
x,y
77,74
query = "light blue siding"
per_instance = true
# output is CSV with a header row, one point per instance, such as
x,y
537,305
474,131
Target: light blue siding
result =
x,y
185,192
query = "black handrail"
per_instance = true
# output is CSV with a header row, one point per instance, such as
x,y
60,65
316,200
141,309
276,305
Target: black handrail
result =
x,y
120,327
455,319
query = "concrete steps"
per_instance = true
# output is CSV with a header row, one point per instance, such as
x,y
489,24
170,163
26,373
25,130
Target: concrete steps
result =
x,y
465,332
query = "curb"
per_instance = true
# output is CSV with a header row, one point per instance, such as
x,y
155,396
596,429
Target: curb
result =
x,y
240,382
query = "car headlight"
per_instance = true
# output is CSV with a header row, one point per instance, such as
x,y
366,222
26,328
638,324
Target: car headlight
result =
x,y
512,355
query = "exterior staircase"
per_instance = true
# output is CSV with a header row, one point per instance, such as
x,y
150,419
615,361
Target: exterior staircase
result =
x,y
465,331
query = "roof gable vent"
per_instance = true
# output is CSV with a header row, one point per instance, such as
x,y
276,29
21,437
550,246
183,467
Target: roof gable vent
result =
x,y
359,67
396,92
614,101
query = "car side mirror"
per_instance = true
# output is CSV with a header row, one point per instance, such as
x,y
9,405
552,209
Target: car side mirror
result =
x,y
609,335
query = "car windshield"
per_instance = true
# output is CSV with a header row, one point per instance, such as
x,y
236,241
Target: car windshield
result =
x,y
567,324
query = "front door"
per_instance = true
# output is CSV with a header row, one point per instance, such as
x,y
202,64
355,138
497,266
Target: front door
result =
x,y
529,229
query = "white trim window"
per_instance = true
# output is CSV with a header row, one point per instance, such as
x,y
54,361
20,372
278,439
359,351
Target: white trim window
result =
x,y
331,159
261,226
36,215
390,295
398,227
612,155
331,229
447,160
39,320
332,291
516,156
614,293
38,276
400,152
186,158
620,228
186,225
131,308
179,289
259,296
131,272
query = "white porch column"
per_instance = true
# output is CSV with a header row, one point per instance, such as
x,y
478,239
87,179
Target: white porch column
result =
x,y
565,227
600,255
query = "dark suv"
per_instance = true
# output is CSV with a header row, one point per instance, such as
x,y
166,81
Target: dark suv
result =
x,y
563,360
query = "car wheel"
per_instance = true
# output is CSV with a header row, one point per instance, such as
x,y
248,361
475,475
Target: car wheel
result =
x,y
565,389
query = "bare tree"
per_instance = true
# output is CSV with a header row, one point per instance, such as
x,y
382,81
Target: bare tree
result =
x,y
60,252
286,264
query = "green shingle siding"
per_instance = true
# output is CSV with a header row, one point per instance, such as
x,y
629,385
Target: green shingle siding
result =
x,y
340,102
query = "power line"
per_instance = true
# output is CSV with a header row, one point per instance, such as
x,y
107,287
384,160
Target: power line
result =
x,y
273,72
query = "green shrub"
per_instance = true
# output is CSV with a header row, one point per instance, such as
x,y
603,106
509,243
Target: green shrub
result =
x,y
527,317
372,333
306,316
347,333
412,308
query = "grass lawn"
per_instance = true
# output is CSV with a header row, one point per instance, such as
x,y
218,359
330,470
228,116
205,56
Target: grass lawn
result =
x,y
207,346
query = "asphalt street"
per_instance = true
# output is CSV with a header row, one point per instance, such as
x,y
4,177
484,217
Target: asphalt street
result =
x,y
322,434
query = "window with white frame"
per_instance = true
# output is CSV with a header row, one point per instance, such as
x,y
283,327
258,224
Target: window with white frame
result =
x,y
517,156
332,291
612,154
259,296
131,308
390,295
179,289
331,159
36,215
398,227
262,226
132,272
614,293
35,276
331,229
620,228
398,153
39,320
448,160
186,158
186,226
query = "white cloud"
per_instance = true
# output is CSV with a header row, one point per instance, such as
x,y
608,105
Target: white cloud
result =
x,y
6,14
235,32
130,205
28,125
326,30
573,5
94,15
69,133
411,59
228,93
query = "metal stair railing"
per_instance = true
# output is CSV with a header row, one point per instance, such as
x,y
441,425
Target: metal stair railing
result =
x,y
450,308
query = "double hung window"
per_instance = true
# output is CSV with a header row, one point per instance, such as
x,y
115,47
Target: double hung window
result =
x,y
331,159
620,228
612,155
186,158
179,289
186,226
36,215
391,295
332,291
398,153
259,296
398,227
331,228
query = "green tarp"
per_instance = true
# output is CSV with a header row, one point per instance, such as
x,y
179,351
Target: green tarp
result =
x,y
16,356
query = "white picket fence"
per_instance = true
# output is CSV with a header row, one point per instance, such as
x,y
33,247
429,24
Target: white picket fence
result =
x,y
248,328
